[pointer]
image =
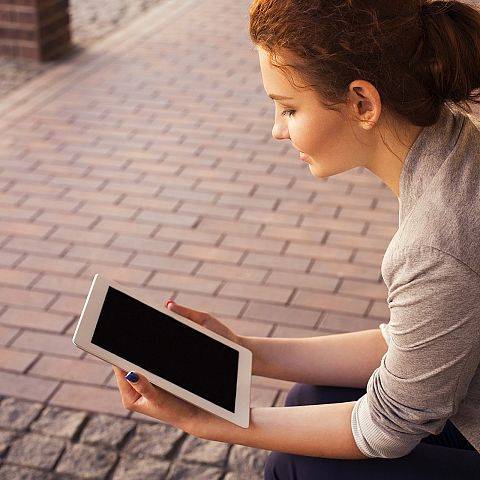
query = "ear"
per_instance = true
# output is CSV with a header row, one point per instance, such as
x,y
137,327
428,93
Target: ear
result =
x,y
365,104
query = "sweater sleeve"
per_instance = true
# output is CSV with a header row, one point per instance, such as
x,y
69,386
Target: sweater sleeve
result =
x,y
433,353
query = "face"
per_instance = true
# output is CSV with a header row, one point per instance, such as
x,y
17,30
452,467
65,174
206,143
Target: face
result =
x,y
325,136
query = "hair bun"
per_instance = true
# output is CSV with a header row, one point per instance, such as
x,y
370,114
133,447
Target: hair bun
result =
x,y
448,57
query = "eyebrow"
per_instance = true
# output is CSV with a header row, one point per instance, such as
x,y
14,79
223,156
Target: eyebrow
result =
x,y
279,97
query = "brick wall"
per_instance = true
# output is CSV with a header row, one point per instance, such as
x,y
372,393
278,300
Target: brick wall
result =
x,y
34,29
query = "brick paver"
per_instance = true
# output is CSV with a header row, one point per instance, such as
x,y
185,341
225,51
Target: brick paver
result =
x,y
149,158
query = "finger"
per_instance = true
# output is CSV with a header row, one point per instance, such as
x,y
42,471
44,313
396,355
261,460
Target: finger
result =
x,y
118,369
195,315
142,386
128,393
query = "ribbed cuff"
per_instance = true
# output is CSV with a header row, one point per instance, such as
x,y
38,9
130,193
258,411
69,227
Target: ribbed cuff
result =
x,y
356,428
372,440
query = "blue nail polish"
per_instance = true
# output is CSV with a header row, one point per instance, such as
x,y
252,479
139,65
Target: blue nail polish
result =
x,y
132,377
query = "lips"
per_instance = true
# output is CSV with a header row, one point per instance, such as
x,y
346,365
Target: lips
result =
x,y
304,157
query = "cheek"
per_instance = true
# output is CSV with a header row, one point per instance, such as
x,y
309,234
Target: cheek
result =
x,y
332,148
321,135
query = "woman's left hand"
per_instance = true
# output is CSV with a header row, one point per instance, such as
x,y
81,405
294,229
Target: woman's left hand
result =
x,y
143,397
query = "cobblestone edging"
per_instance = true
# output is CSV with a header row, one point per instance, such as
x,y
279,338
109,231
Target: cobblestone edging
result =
x,y
40,442
90,20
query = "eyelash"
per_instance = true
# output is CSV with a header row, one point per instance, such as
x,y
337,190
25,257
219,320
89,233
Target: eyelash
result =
x,y
288,111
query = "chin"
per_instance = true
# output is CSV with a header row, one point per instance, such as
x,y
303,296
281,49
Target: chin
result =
x,y
326,169
315,171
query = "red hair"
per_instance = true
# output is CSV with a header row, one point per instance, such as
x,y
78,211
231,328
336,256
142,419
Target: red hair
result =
x,y
418,54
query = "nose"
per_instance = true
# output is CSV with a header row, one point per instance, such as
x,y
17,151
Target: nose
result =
x,y
280,131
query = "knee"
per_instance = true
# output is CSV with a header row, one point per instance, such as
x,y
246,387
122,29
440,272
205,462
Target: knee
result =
x,y
295,395
286,466
304,394
277,467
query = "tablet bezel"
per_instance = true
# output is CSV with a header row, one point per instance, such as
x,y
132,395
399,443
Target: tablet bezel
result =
x,y
84,333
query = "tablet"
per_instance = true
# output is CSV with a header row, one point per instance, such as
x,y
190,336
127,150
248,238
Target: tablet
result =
x,y
172,351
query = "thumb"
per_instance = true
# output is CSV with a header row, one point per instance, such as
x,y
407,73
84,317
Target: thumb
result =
x,y
195,315
141,385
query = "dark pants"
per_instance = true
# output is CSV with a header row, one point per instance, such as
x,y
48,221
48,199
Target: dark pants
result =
x,y
438,457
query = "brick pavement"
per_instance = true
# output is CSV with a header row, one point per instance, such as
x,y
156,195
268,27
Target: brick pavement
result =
x,y
149,158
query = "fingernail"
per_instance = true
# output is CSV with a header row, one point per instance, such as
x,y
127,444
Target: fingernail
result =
x,y
168,302
132,377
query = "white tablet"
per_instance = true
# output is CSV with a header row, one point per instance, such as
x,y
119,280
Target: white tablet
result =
x,y
173,352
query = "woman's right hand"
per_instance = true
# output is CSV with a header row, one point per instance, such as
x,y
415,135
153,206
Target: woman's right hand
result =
x,y
204,319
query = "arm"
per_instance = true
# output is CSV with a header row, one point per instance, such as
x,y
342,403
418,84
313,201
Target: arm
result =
x,y
344,359
433,354
313,430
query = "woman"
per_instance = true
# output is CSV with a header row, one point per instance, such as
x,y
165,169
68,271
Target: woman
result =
x,y
372,83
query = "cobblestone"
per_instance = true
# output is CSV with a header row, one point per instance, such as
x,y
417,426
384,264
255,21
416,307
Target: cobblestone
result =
x,y
12,472
147,468
200,450
243,476
18,414
59,422
34,450
66,444
153,440
6,437
106,430
182,471
247,461
86,462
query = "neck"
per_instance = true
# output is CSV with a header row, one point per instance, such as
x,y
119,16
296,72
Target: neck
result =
x,y
387,160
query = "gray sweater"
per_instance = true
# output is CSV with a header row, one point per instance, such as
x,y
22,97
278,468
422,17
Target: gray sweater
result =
x,y
431,370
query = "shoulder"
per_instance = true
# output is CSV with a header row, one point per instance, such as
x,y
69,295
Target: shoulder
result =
x,y
433,300
426,273
446,217
444,211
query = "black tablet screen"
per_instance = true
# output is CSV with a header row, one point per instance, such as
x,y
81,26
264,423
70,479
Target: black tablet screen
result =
x,y
168,348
